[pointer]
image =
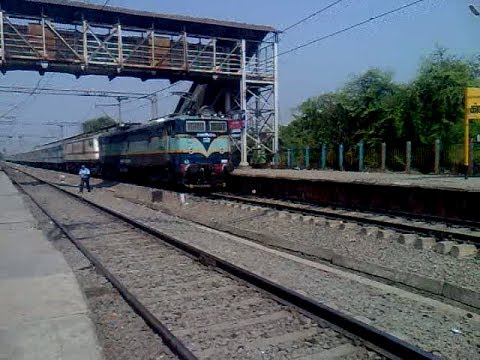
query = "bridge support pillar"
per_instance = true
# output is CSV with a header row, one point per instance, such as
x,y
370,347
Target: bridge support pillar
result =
x,y
2,40
243,105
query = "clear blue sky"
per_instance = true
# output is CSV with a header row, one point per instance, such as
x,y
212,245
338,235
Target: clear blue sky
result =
x,y
396,43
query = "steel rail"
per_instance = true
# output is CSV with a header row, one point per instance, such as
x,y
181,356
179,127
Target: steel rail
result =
x,y
374,220
170,340
390,346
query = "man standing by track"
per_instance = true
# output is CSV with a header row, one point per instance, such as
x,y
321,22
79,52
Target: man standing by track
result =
x,y
84,178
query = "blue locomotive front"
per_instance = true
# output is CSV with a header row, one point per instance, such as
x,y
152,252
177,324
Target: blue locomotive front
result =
x,y
191,150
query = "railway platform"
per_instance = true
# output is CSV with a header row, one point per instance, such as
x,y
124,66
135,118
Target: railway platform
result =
x,y
452,197
43,312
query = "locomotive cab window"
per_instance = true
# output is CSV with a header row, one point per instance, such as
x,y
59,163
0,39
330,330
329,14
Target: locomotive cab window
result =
x,y
195,126
171,129
218,126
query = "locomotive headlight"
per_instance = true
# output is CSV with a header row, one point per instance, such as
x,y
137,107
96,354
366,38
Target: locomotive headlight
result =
x,y
186,161
190,151
222,150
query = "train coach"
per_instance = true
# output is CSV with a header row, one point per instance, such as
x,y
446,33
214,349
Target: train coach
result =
x,y
193,150
82,150
65,155
48,156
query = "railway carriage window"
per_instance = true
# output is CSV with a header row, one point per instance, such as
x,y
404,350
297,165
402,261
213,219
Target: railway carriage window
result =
x,y
218,126
195,126
77,147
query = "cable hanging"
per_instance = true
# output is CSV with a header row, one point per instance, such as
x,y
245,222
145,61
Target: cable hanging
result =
x,y
348,28
311,16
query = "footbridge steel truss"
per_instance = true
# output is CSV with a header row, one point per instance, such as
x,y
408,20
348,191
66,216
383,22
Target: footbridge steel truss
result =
x,y
233,64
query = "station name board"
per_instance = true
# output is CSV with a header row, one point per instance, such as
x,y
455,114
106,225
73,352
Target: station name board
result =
x,y
472,103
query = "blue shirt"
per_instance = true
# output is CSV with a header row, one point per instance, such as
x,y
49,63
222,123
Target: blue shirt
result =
x,y
84,173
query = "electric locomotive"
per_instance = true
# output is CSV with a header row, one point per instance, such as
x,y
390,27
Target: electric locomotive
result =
x,y
193,150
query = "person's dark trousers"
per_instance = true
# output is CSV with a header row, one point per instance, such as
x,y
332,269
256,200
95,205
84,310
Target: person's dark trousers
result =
x,y
85,182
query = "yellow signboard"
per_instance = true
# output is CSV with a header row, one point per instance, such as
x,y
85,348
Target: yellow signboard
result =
x,y
472,103
472,112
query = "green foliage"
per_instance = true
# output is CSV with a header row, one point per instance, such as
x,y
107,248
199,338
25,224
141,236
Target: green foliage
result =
x,y
97,124
317,120
439,92
373,108
259,158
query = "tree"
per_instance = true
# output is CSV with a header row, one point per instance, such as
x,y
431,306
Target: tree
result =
x,y
316,120
371,102
372,108
437,104
365,109
97,124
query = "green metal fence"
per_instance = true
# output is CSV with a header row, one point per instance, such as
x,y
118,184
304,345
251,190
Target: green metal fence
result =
x,y
400,157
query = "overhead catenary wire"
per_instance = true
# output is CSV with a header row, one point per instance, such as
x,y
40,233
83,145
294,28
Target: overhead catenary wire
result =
x,y
350,27
153,93
146,104
70,92
311,16
17,105
105,4
318,12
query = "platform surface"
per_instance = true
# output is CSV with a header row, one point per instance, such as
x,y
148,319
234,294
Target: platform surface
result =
x,y
43,314
374,178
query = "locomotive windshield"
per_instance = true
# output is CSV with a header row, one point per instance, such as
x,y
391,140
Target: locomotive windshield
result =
x,y
197,126
218,126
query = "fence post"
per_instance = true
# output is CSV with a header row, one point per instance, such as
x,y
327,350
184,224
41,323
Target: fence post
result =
x,y
340,156
437,157
324,156
384,157
307,157
276,159
408,160
360,156
289,158
470,158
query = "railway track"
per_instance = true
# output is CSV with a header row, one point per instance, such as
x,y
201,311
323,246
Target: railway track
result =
x,y
202,306
466,232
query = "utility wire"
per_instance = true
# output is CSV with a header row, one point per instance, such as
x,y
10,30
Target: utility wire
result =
x,y
105,4
70,92
144,105
306,18
153,93
16,106
376,17
311,16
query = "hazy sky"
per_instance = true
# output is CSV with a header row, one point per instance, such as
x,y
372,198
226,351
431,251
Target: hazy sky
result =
x,y
396,43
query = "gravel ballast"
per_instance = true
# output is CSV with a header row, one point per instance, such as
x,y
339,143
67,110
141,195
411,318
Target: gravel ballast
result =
x,y
443,329
122,334
349,241
214,315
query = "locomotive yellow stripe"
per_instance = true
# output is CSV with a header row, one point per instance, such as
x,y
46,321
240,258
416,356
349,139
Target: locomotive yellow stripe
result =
x,y
156,152
195,150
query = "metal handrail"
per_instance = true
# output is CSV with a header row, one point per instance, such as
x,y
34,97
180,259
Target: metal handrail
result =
x,y
44,40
